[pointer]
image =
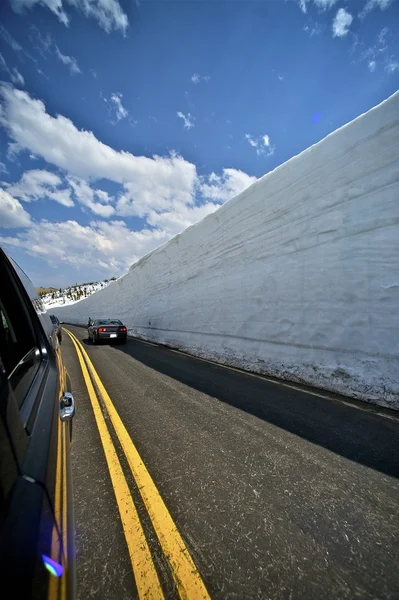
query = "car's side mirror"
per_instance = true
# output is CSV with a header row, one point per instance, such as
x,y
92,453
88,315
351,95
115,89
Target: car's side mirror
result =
x,y
67,407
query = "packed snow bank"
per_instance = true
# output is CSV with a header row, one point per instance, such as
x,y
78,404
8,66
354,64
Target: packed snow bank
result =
x,y
297,277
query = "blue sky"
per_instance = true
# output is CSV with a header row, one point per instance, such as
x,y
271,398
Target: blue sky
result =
x,y
124,122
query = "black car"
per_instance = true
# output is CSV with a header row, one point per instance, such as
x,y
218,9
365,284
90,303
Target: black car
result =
x,y
57,327
37,554
112,330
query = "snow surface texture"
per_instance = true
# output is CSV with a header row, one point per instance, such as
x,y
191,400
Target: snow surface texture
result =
x,y
297,277
69,295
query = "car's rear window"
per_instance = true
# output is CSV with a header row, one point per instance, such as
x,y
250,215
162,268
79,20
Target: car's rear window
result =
x,y
109,322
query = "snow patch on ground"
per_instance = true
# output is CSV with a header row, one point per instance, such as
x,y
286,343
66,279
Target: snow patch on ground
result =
x,y
297,277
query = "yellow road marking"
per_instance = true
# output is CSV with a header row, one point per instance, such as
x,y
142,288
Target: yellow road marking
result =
x,y
186,576
54,582
146,577
64,536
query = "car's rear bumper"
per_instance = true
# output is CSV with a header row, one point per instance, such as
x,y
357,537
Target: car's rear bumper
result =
x,y
111,336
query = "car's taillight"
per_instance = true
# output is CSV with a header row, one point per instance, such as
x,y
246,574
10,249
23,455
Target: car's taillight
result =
x,y
101,329
123,329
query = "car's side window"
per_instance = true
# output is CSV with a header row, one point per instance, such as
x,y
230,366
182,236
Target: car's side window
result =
x,y
19,350
17,368
9,467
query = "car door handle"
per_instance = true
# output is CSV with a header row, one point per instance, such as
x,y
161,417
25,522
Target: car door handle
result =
x,y
67,407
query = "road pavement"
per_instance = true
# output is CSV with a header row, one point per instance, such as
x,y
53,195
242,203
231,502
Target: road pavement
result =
x,y
277,493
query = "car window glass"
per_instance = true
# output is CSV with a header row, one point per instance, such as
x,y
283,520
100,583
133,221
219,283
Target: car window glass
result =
x,y
19,351
8,459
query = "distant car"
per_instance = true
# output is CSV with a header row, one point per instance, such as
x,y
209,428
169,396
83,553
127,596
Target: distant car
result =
x,y
57,327
37,540
107,329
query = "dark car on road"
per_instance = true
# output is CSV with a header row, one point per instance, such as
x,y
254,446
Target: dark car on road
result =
x,y
111,330
57,327
37,553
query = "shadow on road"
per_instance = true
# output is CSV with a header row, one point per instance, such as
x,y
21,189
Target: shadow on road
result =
x,y
360,436
87,342
364,437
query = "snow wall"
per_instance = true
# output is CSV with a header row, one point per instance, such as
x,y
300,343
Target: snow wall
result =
x,y
297,277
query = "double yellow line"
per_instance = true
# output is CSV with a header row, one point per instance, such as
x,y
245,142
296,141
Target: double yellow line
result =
x,y
57,587
185,574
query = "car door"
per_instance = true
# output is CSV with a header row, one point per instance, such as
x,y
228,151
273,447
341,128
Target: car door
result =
x,y
37,555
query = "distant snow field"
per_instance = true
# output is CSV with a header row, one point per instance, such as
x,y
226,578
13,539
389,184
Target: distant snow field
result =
x,y
72,294
297,277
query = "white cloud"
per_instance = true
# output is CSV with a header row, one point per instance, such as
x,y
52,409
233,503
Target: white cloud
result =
x,y
3,64
33,184
116,107
12,213
181,210
38,184
46,45
158,195
156,182
266,141
325,4
16,77
224,187
313,28
108,13
104,197
372,65
62,197
162,190
43,74
173,222
261,143
378,54
85,195
108,245
42,42
188,119
251,141
196,79
59,142
391,65
341,23
322,4
69,61
372,4
7,37
19,6
13,73
382,35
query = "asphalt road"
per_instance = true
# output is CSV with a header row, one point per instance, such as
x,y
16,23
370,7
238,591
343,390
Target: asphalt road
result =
x,y
277,493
